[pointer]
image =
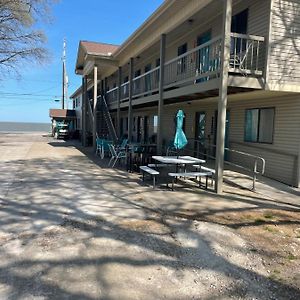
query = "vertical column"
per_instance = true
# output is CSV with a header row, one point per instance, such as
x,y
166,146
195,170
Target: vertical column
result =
x,y
95,106
130,100
161,90
222,103
119,102
84,111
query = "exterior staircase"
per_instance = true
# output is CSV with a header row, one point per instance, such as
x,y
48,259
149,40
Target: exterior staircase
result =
x,y
106,128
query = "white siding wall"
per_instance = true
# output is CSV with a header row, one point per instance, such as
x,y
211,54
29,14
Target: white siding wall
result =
x,y
284,64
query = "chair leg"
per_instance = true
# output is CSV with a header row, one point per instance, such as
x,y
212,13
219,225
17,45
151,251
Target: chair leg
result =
x,y
115,162
153,181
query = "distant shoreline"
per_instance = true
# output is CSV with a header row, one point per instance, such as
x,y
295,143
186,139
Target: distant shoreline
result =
x,y
6,127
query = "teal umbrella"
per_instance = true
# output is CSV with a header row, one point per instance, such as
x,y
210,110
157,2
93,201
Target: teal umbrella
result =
x,y
180,139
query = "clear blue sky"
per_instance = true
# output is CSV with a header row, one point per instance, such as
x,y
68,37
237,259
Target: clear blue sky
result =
x,y
93,20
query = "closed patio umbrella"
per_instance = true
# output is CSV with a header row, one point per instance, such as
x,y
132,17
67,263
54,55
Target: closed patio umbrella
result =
x,y
180,139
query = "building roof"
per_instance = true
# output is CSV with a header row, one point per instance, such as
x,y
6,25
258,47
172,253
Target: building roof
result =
x,y
76,93
62,113
92,50
99,48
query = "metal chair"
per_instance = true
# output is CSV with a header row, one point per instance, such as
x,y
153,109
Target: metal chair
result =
x,y
115,155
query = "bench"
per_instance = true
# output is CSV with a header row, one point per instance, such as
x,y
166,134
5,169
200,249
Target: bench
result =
x,y
213,172
158,165
153,173
205,174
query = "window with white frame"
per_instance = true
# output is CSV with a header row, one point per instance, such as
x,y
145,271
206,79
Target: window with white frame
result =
x,y
259,125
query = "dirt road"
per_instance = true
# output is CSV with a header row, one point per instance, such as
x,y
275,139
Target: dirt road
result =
x,y
70,229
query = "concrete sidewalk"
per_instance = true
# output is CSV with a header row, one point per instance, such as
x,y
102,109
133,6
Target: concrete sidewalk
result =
x,y
71,229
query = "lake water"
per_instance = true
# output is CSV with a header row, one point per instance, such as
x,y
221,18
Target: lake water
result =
x,y
24,127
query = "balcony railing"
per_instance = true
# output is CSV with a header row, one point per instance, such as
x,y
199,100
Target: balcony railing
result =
x,y
203,63
199,64
247,54
125,91
145,83
112,95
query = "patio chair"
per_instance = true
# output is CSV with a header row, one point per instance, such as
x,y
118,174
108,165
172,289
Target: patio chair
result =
x,y
123,145
238,58
102,147
115,155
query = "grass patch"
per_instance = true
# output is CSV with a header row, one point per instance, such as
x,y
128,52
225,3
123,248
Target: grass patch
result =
x,y
270,229
268,216
259,221
291,257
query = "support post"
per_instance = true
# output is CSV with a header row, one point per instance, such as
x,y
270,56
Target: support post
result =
x,y
222,103
119,102
161,90
130,100
95,106
84,111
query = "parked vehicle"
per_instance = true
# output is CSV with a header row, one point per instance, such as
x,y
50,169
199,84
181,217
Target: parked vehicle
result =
x,y
61,130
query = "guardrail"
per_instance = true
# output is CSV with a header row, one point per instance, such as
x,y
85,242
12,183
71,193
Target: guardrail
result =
x,y
247,54
146,83
199,64
253,164
125,91
112,95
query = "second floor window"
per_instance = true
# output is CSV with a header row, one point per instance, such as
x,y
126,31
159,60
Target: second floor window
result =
x,y
181,68
259,125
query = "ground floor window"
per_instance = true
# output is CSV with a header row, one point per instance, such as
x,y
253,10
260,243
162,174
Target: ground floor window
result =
x,y
259,125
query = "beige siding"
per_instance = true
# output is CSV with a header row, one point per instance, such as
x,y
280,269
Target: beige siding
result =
x,y
281,155
284,64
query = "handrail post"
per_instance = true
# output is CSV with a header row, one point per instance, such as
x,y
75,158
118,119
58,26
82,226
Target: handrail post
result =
x,y
84,111
130,119
222,103
161,90
119,102
254,175
95,127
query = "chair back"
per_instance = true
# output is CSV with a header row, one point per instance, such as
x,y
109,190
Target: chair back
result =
x,y
112,150
124,143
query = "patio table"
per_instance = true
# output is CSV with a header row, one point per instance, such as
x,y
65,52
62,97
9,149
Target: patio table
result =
x,y
178,160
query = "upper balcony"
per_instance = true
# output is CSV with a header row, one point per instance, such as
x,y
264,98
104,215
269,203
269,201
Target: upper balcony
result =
x,y
197,71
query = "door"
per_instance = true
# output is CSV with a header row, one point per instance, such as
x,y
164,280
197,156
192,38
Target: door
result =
x,y
200,125
227,126
203,60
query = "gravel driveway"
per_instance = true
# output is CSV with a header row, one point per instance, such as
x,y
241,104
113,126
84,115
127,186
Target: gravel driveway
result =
x,y
72,230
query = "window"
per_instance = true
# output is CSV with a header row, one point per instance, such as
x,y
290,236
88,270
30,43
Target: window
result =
x,y
181,68
259,125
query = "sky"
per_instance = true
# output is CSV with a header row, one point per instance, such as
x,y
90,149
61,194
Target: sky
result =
x,y
28,98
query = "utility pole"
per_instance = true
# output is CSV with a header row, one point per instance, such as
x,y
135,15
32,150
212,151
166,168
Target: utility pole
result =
x,y
65,77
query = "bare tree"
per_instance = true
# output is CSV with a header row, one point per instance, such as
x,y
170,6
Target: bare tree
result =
x,y
20,41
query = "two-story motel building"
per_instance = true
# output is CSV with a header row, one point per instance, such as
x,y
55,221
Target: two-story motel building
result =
x,y
232,66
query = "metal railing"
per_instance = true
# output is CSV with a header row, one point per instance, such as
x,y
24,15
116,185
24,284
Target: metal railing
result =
x,y
247,54
146,83
112,95
247,57
252,164
199,64
125,91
